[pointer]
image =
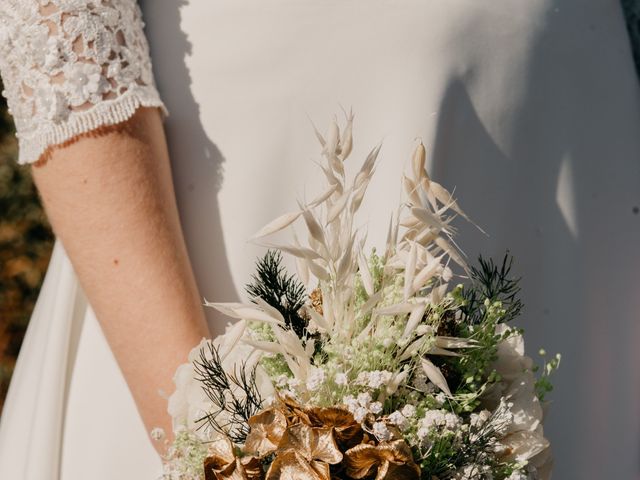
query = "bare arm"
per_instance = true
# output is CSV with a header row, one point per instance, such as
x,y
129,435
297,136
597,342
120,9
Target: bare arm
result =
x,y
110,199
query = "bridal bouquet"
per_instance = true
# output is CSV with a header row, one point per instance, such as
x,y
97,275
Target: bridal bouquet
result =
x,y
365,365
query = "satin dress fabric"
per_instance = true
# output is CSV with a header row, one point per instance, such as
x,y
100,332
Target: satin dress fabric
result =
x,y
530,112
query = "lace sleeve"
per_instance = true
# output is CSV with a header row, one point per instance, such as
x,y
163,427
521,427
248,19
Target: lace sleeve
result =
x,y
70,66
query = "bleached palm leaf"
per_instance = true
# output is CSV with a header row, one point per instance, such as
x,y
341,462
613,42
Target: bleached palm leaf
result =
x,y
318,134
396,309
424,275
296,251
318,271
441,351
309,347
347,136
410,271
323,196
451,251
346,263
454,342
410,222
437,294
333,139
426,237
425,183
314,228
289,341
298,367
435,376
269,347
430,219
443,195
416,346
327,309
358,196
336,164
276,225
445,198
371,302
332,179
318,319
231,338
302,269
270,310
415,317
243,311
411,190
365,274
366,170
338,206
397,379
418,159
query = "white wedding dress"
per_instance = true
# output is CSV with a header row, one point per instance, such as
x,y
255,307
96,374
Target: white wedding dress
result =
x,y
530,110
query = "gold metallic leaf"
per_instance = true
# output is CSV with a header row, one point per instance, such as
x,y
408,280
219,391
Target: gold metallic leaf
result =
x,y
388,461
222,448
291,465
266,429
316,300
293,411
222,463
312,443
348,432
252,467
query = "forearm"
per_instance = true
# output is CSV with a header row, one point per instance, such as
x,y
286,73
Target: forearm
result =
x,y
111,202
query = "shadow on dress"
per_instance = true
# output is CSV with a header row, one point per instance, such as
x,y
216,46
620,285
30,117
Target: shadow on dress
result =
x,y
197,162
560,191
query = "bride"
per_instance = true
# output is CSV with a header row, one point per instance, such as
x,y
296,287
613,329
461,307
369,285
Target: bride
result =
x,y
530,108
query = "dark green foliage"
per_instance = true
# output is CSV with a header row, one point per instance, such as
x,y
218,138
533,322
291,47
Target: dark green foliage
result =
x,y
283,292
632,15
221,388
496,284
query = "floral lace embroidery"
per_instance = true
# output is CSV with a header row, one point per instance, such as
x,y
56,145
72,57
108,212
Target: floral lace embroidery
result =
x,y
70,66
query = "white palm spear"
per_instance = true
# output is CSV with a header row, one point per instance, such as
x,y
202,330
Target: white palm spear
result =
x,y
334,254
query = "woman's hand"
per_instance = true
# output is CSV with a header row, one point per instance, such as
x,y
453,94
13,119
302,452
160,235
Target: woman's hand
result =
x,y
110,199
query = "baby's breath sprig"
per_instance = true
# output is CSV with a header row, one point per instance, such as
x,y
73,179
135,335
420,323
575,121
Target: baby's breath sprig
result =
x,y
543,383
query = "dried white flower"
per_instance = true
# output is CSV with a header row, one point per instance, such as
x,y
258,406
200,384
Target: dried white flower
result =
x,y
351,403
360,414
364,399
398,419
408,411
440,418
315,379
282,381
378,378
381,431
375,407
341,379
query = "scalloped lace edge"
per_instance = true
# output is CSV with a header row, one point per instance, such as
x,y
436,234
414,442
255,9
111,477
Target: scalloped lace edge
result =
x,y
107,112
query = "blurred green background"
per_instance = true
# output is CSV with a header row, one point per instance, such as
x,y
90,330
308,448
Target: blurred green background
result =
x,y
26,239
